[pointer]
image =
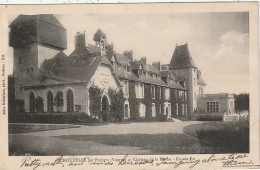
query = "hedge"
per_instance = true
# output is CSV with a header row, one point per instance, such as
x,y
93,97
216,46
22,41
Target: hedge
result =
x,y
52,118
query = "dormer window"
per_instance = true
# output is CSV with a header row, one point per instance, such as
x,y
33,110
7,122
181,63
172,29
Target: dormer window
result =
x,y
128,69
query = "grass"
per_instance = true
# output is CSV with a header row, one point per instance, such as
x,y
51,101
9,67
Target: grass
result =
x,y
16,129
170,143
18,151
233,137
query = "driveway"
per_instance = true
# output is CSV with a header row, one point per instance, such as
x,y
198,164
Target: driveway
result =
x,y
113,138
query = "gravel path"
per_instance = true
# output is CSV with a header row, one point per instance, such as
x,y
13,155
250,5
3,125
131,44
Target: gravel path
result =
x,y
122,128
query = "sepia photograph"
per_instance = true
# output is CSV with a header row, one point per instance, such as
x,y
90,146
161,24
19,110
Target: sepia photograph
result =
x,y
136,86
128,84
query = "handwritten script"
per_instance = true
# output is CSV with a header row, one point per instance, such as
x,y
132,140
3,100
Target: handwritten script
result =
x,y
230,160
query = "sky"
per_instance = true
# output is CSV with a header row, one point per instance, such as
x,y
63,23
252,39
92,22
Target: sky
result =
x,y
218,42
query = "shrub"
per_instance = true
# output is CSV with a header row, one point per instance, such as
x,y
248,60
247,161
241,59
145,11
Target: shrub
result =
x,y
19,105
208,117
58,118
95,101
117,104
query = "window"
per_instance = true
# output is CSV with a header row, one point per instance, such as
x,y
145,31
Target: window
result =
x,y
160,94
31,69
186,109
128,69
165,109
139,90
153,92
185,96
212,107
169,110
142,109
50,101
200,90
182,109
32,102
153,110
195,82
126,111
70,102
177,109
163,90
142,90
125,88
160,109
167,93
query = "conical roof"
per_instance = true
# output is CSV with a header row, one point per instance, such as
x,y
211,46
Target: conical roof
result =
x,y
181,58
99,35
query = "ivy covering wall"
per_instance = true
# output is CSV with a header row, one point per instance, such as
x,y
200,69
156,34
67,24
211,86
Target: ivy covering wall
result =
x,y
95,101
117,105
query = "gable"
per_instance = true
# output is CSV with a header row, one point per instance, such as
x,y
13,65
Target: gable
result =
x,y
104,78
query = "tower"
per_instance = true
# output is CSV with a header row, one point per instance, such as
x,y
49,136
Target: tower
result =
x,y
187,73
100,39
34,38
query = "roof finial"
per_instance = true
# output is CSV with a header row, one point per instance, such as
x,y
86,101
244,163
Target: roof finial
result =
x,y
186,41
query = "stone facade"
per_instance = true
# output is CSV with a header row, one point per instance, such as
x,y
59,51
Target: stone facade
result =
x,y
224,101
42,71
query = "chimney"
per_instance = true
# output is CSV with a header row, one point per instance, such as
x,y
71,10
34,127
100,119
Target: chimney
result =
x,y
129,54
157,64
80,40
143,59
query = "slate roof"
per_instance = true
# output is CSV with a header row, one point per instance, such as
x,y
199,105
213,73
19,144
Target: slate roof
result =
x,y
69,69
98,35
123,74
122,59
182,58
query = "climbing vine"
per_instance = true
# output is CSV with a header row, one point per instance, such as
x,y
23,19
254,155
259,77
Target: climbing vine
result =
x,y
95,101
117,104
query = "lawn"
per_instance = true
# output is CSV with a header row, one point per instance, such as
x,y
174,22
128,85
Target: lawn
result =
x,y
233,137
169,143
26,128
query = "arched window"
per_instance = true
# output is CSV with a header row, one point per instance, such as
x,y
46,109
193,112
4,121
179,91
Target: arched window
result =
x,y
50,101
59,101
32,102
70,102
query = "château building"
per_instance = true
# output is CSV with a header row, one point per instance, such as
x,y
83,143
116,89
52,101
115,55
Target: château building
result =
x,y
42,71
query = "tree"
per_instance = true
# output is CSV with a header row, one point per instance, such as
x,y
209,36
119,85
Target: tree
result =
x,y
117,104
242,101
95,101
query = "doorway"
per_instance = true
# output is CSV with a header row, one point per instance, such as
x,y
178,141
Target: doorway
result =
x,y
105,108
